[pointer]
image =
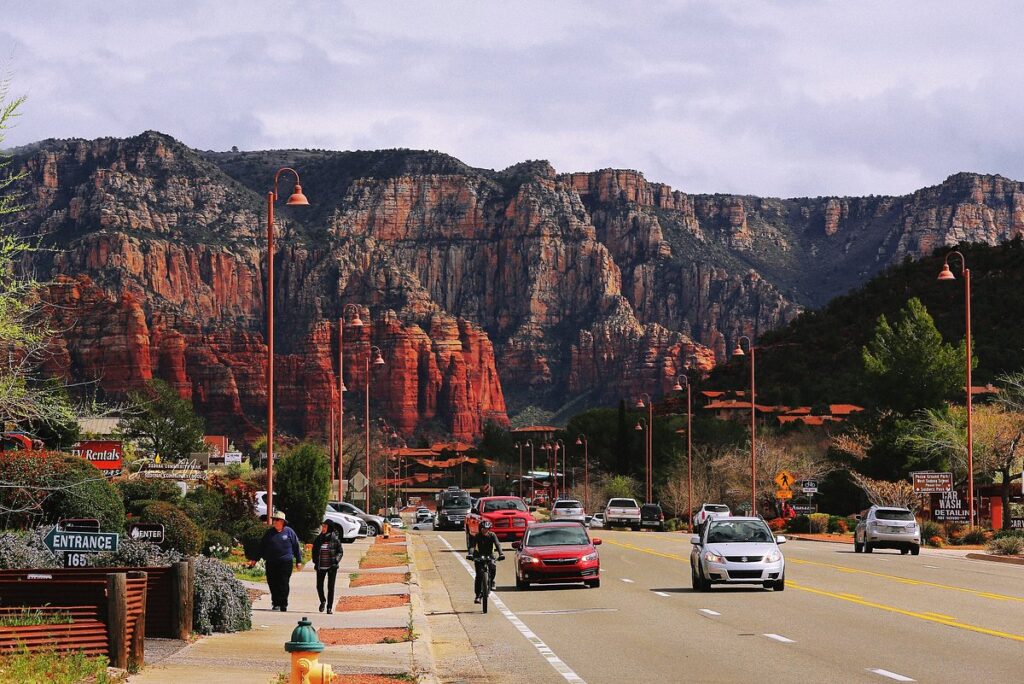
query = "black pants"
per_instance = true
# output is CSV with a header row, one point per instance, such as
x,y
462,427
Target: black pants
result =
x,y
331,574
279,575
477,583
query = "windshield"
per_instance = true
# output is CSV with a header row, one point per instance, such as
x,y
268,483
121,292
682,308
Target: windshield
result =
x,y
738,531
456,501
893,514
557,536
622,503
716,508
650,508
567,504
504,505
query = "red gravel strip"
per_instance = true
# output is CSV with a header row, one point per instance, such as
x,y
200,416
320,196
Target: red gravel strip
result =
x,y
368,580
371,679
360,636
348,603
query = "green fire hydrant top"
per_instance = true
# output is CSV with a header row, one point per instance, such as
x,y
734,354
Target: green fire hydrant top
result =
x,y
304,638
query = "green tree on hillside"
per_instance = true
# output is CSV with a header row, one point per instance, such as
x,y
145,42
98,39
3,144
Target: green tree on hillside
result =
x,y
163,422
301,485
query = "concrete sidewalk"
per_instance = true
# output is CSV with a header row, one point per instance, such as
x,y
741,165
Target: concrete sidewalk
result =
x,y
259,656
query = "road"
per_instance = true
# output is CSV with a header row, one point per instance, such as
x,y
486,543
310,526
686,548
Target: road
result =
x,y
843,617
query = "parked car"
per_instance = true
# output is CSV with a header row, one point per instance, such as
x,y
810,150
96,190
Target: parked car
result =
x,y
708,511
652,516
508,515
423,514
374,523
556,553
623,513
396,522
452,508
596,521
352,527
569,510
887,527
737,550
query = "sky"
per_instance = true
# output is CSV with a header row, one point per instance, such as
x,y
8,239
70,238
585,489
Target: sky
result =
x,y
791,98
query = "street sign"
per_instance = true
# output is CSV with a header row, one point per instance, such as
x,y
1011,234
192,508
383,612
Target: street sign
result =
x,y
78,560
804,509
1017,523
809,486
784,479
784,494
359,482
932,483
80,542
151,532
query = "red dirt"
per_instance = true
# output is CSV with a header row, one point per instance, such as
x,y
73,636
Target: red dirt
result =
x,y
360,636
369,580
391,540
376,562
348,603
368,679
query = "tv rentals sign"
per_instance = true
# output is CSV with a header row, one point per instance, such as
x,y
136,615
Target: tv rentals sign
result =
x,y
107,455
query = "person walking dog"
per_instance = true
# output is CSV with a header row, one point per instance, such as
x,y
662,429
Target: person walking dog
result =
x,y
327,553
279,549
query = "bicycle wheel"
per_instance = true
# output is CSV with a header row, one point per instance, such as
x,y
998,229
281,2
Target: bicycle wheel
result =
x,y
486,591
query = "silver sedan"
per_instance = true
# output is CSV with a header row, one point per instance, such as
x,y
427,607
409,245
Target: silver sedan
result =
x,y
737,551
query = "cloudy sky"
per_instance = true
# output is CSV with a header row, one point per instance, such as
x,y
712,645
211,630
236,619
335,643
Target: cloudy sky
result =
x,y
786,98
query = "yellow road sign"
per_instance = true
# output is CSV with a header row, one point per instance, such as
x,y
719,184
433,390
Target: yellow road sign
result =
x,y
784,479
784,494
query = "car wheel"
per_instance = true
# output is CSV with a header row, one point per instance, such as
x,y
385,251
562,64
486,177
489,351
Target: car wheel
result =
x,y
521,585
372,530
594,584
868,548
857,546
904,551
780,584
915,550
635,528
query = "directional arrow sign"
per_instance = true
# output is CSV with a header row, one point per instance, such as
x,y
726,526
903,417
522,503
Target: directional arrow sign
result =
x,y
80,542
784,479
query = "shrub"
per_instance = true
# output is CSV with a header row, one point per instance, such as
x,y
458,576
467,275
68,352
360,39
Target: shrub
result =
x,y
999,534
800,523
206,508
84,493
1009,546
180,533
976,536
134,508
221,601
818,522
238,471
935,541
930,528
302,489
134,553
238,497
249,534
217,544
148,490
838,524
777,524
26,550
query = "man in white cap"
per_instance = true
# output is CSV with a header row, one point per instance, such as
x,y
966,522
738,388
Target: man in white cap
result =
x,y
279,549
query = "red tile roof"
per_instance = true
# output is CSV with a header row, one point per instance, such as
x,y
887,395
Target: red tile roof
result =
x,y
844,409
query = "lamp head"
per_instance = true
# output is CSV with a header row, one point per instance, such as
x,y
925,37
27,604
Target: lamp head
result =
x,y
343,388
640,403
297,199
738,351
945,273
357,321
579,442
638,428
378,360
677,387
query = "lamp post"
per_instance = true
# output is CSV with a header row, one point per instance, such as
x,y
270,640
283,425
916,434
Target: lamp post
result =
x,y
331,447
297,199
533,469
559,444
649,446
377,360
947,274
689,449
643,426
738,351
546,448
356,322
581,439
520,448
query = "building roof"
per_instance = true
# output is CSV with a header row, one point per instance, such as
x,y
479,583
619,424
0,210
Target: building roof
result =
x,y
844,409
712,394
457,447
98,426
535,428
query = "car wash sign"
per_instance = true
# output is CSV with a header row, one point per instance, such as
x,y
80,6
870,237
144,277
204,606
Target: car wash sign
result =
x,y
106,455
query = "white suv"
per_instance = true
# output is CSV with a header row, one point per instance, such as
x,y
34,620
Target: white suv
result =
x,y
567,510
887,527
707,512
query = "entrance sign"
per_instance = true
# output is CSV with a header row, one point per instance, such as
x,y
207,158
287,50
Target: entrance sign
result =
x,y
932,483
151,532
80,542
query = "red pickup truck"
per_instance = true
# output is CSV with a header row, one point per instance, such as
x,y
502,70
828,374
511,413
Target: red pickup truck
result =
x,y
508,515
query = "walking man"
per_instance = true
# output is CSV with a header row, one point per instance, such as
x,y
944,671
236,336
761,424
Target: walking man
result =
x,y
279,549
327,553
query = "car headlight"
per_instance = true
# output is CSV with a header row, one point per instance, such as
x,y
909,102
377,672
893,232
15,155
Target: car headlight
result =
x,y
773,556
712,557
529,560
589,557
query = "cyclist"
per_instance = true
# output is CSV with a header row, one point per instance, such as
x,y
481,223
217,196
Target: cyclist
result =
x,y
482,546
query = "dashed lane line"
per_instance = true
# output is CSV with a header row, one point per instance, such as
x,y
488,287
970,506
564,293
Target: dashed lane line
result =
x,y
780,638
708,611
556,663
627,580
890,675
663,594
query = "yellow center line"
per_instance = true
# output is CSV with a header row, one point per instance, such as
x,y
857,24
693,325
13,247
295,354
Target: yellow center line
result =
x,y
907,580
650,551
928,617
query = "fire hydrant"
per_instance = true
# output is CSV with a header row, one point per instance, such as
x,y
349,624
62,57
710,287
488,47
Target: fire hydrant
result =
x,y
305,648
387,528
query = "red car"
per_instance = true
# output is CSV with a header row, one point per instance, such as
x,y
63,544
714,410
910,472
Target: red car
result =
x,y
508,515
556,553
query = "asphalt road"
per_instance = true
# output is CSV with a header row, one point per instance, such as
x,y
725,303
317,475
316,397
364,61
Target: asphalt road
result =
x,y
843,617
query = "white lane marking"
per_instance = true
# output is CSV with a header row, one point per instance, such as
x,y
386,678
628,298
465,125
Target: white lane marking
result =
x,y
708,611
779,637
661,593
933,567
628,581
557,663
890,675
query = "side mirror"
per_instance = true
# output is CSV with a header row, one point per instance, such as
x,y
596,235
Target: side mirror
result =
x,y
695,539
596,541
517,545
857,517
780,539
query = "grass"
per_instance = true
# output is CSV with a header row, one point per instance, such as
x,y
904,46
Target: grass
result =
x,y
51,667
28,617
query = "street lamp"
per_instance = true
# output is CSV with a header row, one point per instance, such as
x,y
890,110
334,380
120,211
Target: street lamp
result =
x,y
738,351
533,469
559,444
689,448
643,426
297,199
581,440
356,322
649,445
546,448
376,359
520,448
947,274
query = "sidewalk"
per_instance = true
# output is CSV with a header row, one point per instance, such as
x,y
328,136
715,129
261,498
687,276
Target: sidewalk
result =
x,y
259,656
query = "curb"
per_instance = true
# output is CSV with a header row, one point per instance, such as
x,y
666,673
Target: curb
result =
x,y
843,540
1012,560
422,664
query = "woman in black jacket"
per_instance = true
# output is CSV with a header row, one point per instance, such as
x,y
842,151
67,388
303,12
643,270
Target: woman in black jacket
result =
x,y
327,553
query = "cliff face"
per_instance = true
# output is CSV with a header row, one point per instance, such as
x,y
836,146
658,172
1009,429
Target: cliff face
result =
x,y
522,282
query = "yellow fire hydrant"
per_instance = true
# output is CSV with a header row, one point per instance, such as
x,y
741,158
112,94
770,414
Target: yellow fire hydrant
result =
x,y
387,528
305,649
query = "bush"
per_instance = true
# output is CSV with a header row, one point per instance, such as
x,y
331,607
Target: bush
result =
x,y
302,487
206,508
84,493
800,523
818,522
976,536
837,524
777,524
1008,546
249,534
930,528
221,601
147,490
936,541
26,550
133,553
134,508
238,471
217,544
180,533
238,497
999,534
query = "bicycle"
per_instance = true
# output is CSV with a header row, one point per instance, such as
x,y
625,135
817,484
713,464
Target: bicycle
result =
x,y
485,578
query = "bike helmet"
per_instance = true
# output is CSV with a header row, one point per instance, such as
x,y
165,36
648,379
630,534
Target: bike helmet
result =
x,y
486,525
